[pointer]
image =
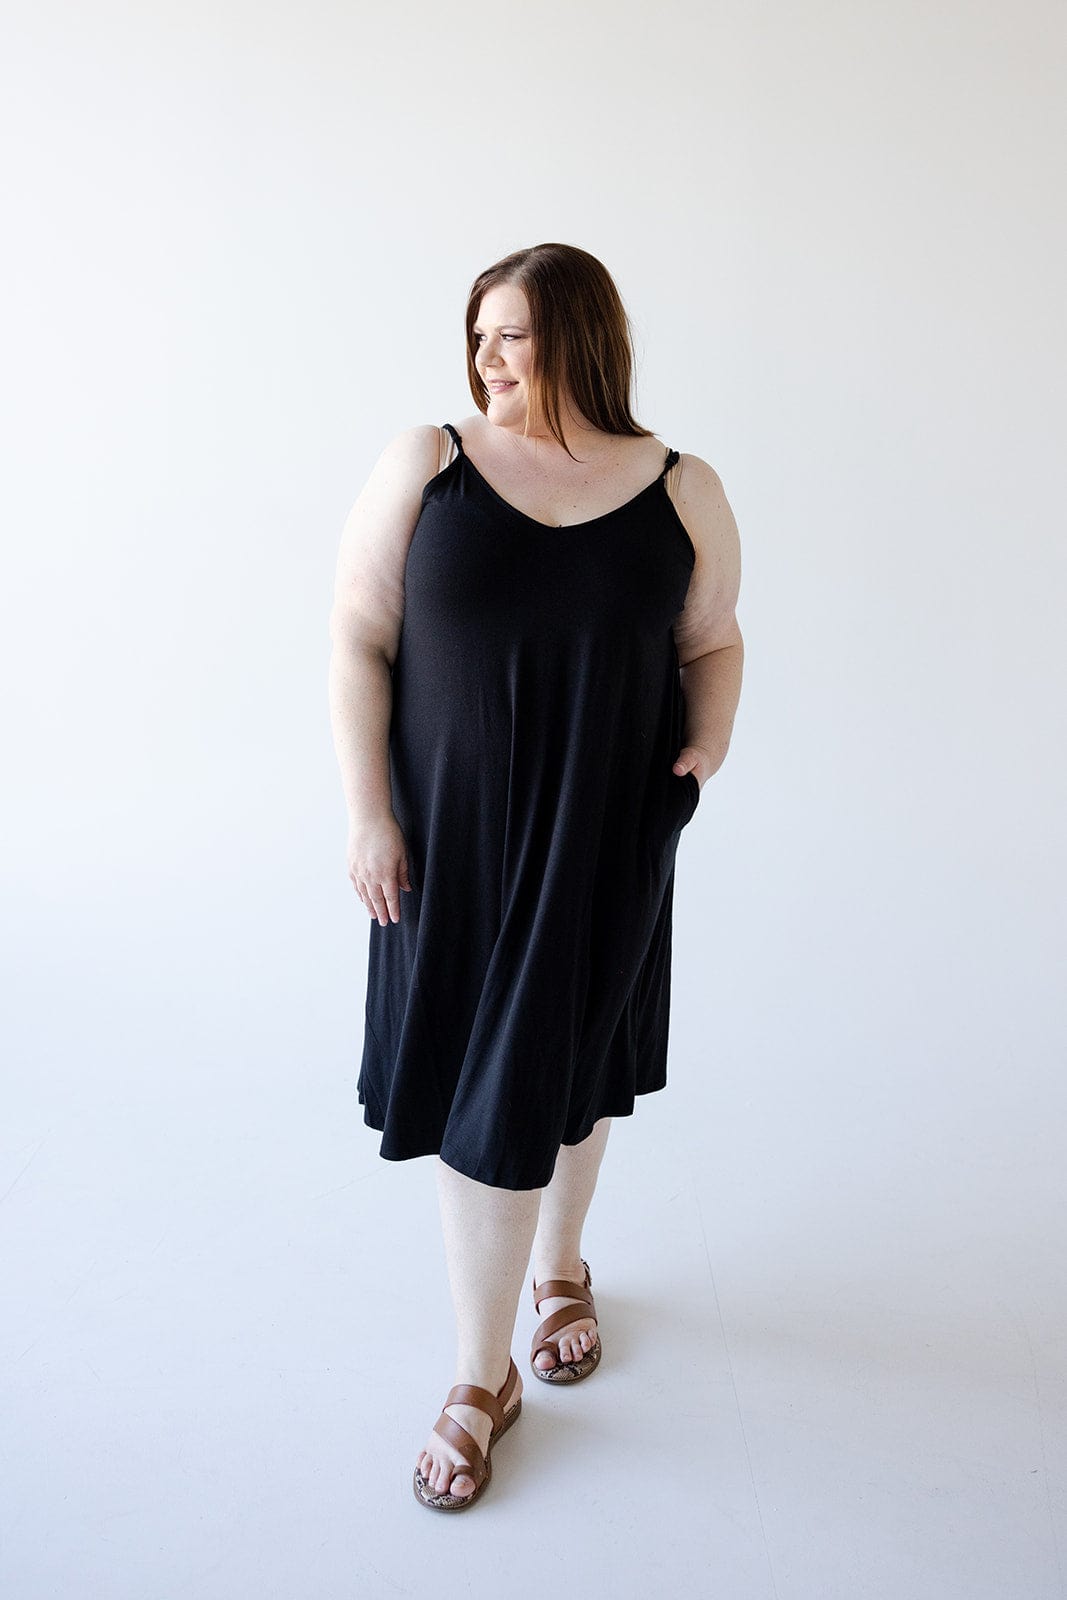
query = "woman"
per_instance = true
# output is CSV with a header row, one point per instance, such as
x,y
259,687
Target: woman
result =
x,y
519,752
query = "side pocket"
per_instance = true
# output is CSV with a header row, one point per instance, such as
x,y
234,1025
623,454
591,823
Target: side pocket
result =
x,y
682,795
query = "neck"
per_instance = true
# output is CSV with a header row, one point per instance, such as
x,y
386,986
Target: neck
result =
x,y
576,430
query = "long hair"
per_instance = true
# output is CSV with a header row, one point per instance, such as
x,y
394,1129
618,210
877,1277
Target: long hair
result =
x,y
580,333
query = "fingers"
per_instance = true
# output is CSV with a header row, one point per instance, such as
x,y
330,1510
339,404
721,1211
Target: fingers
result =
x,y
691,759
376,902
392,900
382,898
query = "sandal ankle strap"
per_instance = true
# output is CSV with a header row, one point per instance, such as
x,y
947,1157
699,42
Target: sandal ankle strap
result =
x,y
557,1287
472,1394
561,1287
553,1288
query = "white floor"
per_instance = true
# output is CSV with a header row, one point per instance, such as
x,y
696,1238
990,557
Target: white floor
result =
x,y
834,1362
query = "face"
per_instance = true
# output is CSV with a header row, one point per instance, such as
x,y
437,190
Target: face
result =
x,y
503,353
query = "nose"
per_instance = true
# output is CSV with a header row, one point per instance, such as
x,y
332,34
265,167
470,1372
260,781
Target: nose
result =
x,y
490,354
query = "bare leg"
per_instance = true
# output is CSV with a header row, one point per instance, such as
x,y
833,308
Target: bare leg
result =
x,y
488,1234
557,1247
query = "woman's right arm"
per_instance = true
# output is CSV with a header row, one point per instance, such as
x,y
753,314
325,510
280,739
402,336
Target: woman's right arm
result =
x,y
365,621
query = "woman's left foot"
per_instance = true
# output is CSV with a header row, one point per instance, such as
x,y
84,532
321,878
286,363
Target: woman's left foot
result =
x,y
575,1337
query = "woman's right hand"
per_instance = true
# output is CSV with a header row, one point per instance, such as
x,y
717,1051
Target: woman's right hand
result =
x,y
378,865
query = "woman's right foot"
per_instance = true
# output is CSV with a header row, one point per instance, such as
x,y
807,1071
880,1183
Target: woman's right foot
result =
x,y
440,1459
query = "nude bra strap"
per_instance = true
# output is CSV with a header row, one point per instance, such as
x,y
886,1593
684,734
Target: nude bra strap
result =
x,y
451,445
671,481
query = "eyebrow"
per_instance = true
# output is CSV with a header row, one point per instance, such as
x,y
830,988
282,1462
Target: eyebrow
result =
x,y
501,327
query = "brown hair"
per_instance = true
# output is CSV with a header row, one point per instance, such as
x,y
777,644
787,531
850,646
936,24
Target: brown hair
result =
x,y
581,337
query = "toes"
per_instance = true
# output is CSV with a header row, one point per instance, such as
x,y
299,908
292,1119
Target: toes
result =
x,y
437,1476
573,1347
576,1346
435,1473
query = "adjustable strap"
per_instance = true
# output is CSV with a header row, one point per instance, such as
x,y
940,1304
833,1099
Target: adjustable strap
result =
x,y
553,1288
672,457
494,1405
472,1394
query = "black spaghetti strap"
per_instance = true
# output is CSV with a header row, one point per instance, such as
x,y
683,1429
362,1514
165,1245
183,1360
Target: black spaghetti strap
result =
x,y
455,435
672,457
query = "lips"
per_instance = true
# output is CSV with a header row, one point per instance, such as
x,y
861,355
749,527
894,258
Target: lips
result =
x,y
498,386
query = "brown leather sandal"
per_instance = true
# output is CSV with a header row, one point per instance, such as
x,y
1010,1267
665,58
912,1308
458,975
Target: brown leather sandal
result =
x,y
475,1466
563,1371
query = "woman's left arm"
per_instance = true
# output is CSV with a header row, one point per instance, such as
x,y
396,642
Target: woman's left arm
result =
x,y
711,650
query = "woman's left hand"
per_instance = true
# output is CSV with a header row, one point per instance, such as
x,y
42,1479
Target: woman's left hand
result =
x,y
692,759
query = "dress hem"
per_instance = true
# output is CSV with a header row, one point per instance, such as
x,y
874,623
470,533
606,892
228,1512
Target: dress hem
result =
x,y
478,1175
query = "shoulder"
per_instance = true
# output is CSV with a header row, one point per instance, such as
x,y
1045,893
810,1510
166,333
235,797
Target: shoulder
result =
x,y
700,500
388,505
412,450
696,479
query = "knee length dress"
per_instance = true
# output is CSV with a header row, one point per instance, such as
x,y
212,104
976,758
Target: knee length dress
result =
x,y
536,713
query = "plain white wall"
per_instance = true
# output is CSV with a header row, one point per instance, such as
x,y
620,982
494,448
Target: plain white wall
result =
x,y
239,244
239,240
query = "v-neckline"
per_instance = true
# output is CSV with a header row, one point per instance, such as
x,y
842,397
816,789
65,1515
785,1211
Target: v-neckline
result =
x,y
562,527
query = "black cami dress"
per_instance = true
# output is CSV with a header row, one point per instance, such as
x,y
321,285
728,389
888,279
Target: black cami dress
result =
x,y
536,713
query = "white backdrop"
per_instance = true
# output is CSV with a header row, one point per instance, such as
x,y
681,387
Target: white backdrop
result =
x,y
239,241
